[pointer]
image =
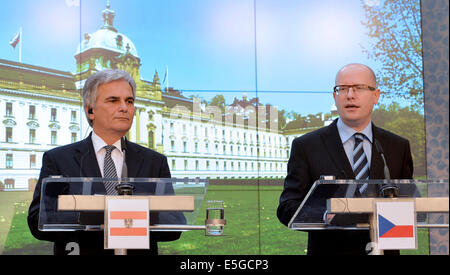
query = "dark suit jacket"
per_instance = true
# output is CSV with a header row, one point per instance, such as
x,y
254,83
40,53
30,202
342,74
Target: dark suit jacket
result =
x,y
79,160
321,153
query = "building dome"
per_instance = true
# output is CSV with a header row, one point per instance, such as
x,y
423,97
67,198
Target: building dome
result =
x,y
109,40
107,37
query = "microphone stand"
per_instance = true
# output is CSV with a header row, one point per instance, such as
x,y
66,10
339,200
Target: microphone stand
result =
x,y
123,188
387,190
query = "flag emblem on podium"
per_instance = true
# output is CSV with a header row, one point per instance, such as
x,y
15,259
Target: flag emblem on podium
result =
x,y
396,227
127,222
387,229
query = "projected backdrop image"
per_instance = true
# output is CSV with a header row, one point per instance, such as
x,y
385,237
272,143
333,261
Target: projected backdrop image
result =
x,y
223,89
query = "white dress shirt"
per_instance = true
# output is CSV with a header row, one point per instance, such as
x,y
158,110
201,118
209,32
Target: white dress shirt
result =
x,y
100,152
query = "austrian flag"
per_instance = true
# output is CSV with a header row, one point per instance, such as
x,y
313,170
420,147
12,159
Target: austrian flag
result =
x,y
396,225
127,224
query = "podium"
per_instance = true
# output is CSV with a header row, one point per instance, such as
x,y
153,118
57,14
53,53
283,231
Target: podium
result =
x,y
352,205
80,204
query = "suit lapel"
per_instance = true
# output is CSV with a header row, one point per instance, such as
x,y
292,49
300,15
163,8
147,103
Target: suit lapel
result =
x,y
134,159
333,145
86,159
376,163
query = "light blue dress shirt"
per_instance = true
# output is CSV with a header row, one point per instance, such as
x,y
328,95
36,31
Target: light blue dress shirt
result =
x,y
346,134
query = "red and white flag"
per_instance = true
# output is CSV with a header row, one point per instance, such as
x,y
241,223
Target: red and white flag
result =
x,y
15,40
128,224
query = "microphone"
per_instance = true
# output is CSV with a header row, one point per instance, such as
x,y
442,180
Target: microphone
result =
x,y
124,188
387,190
387,175
123,144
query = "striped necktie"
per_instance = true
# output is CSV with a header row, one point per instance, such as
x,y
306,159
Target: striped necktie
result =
x,y
109,171
360,163
360,167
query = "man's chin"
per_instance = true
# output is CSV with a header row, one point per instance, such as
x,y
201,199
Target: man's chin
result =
x,y
354,122
122,128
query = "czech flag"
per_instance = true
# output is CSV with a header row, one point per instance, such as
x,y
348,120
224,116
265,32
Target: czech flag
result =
x,y
389,230
396,225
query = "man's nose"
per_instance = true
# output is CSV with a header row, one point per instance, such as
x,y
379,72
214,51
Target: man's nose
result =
x,y
350,92
123,106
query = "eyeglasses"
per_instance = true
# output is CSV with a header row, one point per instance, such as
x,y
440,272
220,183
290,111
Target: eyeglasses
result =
x,y
357,88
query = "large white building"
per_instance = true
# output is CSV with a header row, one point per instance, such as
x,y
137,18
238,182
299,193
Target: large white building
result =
x,y
41,108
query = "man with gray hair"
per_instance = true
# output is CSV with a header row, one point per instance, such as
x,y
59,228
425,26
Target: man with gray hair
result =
x,y
90,89
108,101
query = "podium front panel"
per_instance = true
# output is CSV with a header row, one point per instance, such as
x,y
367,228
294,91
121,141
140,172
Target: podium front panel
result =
x,y
77,204
312,212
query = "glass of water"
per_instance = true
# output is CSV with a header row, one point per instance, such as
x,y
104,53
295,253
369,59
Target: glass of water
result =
x,y
215,218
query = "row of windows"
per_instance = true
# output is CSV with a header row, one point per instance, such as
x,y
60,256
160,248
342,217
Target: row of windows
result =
x,y
232,166
32,113
231,134
32,136
240,166
245,151
9,161
11,184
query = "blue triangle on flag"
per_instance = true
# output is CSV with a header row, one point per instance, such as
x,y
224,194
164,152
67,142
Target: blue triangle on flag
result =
x,y
384,225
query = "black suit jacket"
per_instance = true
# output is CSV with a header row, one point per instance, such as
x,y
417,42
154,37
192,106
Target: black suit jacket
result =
x,y
79,160
321,153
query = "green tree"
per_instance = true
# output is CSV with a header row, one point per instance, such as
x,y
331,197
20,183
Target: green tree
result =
x,y
395,29
408,123
281,119
314,120
218,101
297,121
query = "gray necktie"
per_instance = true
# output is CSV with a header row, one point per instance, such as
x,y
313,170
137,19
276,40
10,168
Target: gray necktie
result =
x,y
109,171
360,166
360,163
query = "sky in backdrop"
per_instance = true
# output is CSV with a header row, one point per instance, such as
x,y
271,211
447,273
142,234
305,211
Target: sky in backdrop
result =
x,y
285,52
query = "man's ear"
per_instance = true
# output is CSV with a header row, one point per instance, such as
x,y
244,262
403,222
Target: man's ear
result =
x,y
89,111
377,95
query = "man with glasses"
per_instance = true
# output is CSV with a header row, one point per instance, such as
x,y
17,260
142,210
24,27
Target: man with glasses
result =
x,y
345,149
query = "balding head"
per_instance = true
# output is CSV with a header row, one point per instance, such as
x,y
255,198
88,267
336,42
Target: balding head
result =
x,y
355,104
357,67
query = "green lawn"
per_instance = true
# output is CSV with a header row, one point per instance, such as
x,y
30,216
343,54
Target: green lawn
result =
x,y
252,227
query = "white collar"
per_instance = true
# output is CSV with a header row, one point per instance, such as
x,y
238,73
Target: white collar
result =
x,y
99,143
